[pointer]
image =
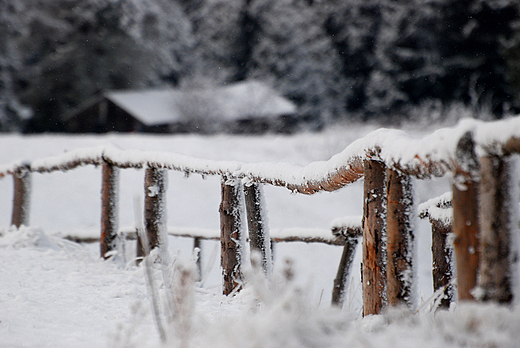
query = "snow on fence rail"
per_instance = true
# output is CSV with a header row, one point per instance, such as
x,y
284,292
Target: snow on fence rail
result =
x,y
474,154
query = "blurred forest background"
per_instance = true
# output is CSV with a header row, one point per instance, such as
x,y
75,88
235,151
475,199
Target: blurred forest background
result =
x,y
338,60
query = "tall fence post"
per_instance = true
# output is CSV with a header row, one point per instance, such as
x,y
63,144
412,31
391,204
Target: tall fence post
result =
x,y
465,218
230,234
109,209
155,185
374,277
400,237
21,196
259,240
494,276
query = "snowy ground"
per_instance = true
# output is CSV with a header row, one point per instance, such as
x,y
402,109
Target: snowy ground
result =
x,y
60,294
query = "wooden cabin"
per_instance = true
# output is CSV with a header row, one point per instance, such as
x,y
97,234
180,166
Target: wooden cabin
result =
x,y
245,107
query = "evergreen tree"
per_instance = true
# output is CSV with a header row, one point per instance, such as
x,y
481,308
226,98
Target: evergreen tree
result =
x,y
75,49
12,112
216,31
294,51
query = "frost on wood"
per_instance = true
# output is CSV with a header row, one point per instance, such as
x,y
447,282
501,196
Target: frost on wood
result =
x,y
439,212
257,224
347,226
495,229
438,209
231,234
155,185
434,155
21,197
109,207
400,239
374,234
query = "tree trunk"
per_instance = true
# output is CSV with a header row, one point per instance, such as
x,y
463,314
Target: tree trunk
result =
x,y
109,209
21,197
230,235
374,277
495,229
257,224
399,266
154,208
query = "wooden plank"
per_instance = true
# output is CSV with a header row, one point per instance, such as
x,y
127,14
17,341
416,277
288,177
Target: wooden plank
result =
x,y
259,240
374,224
400,237
231,235
466,225
495,229
21,197
155,185
109,209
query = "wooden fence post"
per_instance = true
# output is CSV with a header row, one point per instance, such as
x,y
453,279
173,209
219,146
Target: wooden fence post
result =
x,y
465,218
441,261
197,246
230,234
400,237
155,185
109,209
21,196
374,277
494,276
259,240
349,250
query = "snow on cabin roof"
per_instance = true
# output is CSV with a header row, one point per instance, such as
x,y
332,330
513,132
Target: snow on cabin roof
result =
x,y
152,107
232,102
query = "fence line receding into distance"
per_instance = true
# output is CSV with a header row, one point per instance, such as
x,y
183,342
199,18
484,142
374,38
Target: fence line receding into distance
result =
x,y
476,155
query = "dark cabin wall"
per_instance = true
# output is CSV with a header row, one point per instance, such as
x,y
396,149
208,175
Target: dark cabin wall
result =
x,y
102,117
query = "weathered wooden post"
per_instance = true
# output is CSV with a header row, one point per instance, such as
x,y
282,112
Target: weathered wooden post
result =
x,y
400,237
155,185
197,246
374,225
109,209
494,276
465,217
21,196
231,234
349,250
441,261
259,240
440,217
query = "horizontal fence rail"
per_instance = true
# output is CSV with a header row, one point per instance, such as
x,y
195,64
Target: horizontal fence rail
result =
x,y
431,156
474,154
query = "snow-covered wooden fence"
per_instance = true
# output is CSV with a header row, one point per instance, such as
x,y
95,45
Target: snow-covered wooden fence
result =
x,y
476,155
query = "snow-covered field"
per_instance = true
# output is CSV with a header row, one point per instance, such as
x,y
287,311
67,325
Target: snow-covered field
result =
x,y
61,294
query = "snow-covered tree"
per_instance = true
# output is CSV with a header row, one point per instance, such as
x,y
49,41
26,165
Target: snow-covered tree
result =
x,y
12,112
296,53
75,49
216,30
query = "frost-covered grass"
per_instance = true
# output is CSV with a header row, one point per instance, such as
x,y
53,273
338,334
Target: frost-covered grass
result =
x,y
60,294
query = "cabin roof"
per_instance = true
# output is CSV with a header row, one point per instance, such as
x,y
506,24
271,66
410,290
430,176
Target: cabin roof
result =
x,y
232,102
